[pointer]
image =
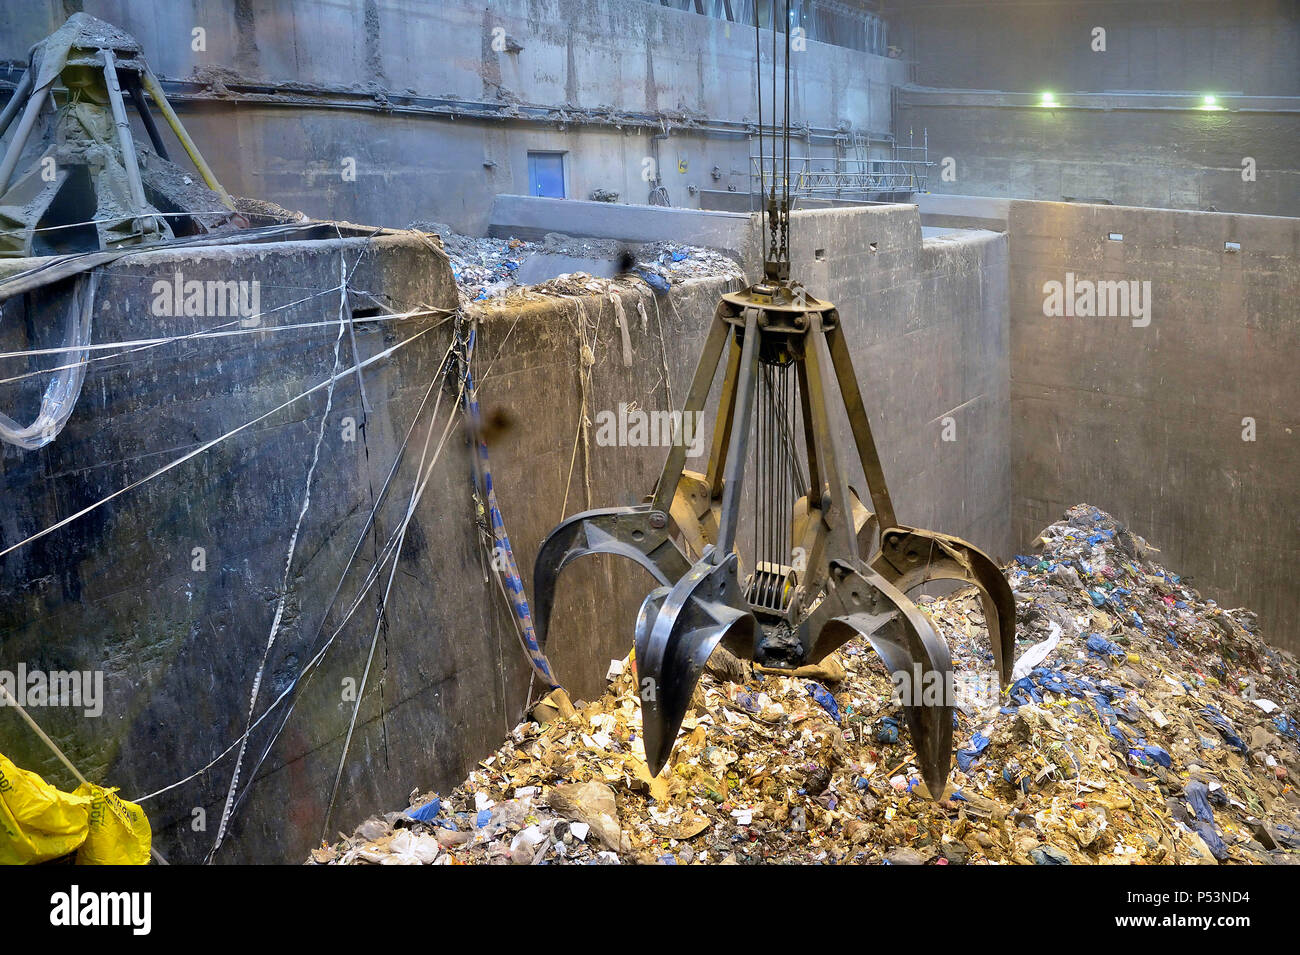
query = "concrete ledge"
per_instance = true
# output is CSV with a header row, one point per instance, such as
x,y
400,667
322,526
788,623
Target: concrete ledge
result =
x,y
721,200
531,217
964,212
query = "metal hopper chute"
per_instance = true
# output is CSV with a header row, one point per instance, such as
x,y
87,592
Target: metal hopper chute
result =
x,y
86,185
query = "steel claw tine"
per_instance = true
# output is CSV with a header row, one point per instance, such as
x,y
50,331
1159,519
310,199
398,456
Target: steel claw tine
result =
x,y
677,630
639,533
916,657
645,621
911,557
645,617
929,722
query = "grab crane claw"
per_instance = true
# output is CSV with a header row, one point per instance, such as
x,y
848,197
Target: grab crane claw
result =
x,y
790,586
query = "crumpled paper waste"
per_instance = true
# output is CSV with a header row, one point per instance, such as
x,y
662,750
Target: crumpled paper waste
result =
x,y
1153,726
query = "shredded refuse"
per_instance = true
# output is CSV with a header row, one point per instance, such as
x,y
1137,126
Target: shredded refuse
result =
x,y
490,268
1145,724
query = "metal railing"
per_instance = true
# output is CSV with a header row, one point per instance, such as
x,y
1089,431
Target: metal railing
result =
x,y
846,177
871,177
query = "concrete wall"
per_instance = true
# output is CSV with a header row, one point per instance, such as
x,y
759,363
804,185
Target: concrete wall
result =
x,y
927,322
1138,150
962,212
1248,46
544,471
1148,422
624,54
118,590
532,217
438,121
1129,129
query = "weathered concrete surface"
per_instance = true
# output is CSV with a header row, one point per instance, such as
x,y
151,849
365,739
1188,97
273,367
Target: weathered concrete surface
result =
x,y
531,217
179,641
543,468
625,54
1148,422
588,65
1147,153
927,321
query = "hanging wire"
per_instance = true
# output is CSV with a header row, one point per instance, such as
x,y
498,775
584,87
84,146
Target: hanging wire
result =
x,y
785,146
372,575
758,75
774,205
379,356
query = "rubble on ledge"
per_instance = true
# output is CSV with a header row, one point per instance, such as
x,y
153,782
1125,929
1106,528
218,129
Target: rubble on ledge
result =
x,y
491,268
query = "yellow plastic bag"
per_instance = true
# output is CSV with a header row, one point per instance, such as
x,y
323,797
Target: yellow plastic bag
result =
x,y
37,821
119,830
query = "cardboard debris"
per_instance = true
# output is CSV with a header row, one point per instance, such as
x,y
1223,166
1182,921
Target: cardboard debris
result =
x,y
1156,727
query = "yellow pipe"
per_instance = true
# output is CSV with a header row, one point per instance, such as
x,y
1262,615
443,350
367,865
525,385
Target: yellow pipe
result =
x,y
151,86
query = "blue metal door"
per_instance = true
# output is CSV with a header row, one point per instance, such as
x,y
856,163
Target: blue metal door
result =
x,y
546,174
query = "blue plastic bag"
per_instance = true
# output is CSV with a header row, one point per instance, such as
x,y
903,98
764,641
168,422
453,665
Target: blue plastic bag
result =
x,y
656,282
1220,723
1100,646
966,757
428,812
1198,794
823,697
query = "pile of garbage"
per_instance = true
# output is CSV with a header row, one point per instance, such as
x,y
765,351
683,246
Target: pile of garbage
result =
x,y
1145,724
483,268
490,268
673,263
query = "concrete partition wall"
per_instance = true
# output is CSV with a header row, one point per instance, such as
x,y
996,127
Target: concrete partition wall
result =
x,y
1188,427
926,321
169,590
536,381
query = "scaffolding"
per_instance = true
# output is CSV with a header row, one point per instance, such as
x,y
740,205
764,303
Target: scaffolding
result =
x,y
851,174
